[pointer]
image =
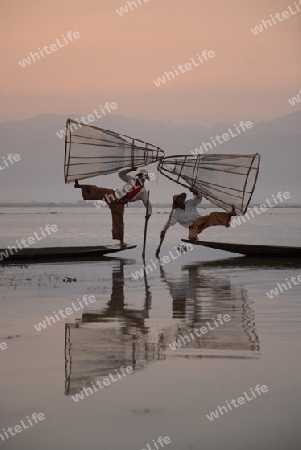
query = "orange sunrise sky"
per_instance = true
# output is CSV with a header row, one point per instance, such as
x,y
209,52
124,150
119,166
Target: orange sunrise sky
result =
x,y
117,58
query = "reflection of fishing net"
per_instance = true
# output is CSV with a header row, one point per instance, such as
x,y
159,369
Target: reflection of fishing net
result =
x,y
225,180
92,151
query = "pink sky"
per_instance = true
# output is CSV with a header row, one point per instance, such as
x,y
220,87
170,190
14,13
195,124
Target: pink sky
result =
x,y
117,58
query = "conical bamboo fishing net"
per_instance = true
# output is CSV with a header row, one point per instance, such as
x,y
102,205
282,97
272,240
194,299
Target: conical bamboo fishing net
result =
x,y
92,151
225,180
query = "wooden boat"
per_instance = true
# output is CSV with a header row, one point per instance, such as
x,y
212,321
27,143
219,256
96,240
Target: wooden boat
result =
x,y
252,250
60,253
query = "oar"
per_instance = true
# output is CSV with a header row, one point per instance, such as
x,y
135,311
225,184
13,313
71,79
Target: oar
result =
x,y
163,236
145,227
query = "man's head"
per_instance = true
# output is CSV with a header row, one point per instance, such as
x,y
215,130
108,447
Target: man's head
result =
x,y
142,176
179,200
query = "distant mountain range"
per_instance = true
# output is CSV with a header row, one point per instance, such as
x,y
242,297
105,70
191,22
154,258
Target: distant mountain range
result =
x,y
38,176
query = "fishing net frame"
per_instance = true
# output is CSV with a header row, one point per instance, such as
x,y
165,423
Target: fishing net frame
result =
x,y
245,174
83,157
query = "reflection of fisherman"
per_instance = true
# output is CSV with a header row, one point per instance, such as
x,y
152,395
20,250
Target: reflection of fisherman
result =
x,y
117,306
184,291
185,212
133,191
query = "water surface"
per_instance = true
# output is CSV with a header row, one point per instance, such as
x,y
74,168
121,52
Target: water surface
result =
x,y
133,322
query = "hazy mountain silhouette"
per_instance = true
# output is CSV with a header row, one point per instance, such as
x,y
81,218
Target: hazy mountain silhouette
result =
x,y
39,174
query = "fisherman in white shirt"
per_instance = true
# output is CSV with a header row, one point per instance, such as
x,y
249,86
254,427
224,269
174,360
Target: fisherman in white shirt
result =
x,y
185,213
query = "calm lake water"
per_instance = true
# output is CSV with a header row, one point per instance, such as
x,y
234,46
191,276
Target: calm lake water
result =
x,y
134,322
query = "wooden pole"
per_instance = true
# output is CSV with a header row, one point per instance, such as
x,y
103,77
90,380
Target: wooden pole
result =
x,y
162,238
145,228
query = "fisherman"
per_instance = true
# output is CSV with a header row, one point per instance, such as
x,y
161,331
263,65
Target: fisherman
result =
x,y
185,212
132,191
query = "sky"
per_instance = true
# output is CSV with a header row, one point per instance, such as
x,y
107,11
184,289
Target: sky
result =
x,y
117,58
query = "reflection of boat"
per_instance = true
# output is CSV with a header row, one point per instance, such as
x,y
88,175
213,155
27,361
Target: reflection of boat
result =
x,y
250,262
248,249
118,335
61,253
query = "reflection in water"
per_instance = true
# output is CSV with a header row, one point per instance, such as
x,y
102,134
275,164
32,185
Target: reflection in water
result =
x,y
105,340
198,299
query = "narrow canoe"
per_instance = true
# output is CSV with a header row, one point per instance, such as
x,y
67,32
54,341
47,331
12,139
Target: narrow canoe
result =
x,y
248,249
59,253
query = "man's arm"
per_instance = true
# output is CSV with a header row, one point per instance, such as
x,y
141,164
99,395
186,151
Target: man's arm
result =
x,y
172,221
196,200
123,175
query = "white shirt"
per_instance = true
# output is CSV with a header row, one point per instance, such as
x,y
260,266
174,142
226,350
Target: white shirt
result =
x,y
186,216
142,194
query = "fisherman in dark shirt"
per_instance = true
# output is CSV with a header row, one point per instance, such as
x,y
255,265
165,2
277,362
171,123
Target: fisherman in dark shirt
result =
x,y
132,191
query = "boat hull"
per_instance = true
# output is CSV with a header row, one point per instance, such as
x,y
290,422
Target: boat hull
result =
x,y
61,253
252,250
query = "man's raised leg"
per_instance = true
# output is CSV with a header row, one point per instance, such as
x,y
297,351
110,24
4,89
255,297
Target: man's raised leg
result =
x,y
213,219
